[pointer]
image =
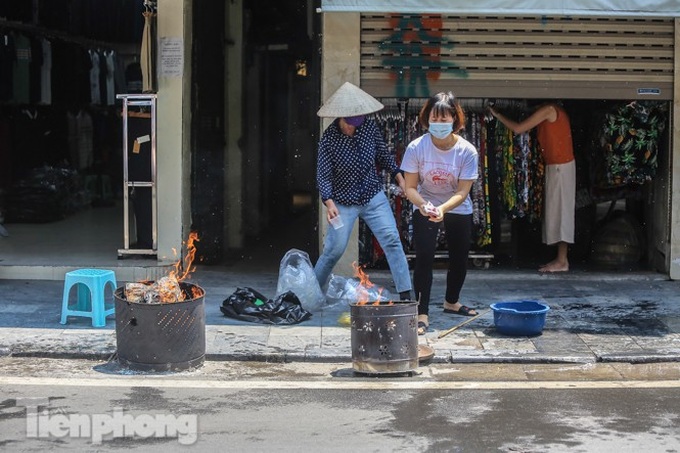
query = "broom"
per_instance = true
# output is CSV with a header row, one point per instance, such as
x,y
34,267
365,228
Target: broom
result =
x,y
467,321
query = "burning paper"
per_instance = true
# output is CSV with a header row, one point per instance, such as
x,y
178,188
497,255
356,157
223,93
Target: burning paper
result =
x,y
365,292
167,290
164,291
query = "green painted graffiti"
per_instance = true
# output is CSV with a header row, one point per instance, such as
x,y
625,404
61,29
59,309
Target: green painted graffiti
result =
x,y
416,56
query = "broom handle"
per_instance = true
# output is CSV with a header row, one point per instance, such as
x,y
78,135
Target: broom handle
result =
x,y
446,332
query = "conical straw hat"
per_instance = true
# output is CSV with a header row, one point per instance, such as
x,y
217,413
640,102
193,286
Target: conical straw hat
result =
x,y
349,100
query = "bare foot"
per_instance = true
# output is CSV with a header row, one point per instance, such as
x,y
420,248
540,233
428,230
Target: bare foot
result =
x,y
554,266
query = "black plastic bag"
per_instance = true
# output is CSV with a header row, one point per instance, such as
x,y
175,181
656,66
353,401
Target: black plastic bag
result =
x,y
246,304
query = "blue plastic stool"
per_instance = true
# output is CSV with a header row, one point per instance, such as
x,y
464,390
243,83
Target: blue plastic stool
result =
x,y
91,289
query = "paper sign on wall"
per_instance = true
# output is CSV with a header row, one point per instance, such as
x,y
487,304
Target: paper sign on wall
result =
x,y
172,56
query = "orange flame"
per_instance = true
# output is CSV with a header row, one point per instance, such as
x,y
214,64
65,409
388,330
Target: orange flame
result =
x,y
184,268
364,283
361,275
196,292
167,289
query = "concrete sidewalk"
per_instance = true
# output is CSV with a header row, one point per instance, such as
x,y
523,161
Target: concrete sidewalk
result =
x,y
594,317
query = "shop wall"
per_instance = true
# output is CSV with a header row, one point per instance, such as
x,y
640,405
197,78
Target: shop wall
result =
x,y
532,56
674,256
173,131
341,52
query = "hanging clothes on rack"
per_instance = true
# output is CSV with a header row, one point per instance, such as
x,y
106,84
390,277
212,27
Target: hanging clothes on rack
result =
x,y
21,69
475,133
630,134
46,72
518,168
148,50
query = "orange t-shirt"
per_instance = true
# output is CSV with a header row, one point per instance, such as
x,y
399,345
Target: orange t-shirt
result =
x,y
555,139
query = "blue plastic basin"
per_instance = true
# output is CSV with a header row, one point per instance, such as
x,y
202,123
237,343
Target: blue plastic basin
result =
x,y
521,318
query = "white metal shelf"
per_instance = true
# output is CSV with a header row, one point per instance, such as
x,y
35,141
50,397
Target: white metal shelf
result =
x,y
145,101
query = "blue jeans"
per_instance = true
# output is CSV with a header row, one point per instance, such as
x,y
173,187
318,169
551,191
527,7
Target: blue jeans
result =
x,y
379,217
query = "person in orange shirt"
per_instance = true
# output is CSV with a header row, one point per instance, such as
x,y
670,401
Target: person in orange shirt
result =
x,y
554,138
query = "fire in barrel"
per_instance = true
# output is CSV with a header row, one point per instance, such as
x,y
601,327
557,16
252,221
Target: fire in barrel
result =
x,y
384,334
160,326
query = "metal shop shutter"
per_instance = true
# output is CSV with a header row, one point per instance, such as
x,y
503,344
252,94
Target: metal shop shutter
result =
x,y
526,57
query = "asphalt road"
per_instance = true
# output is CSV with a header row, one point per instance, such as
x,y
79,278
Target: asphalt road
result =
x,y
79,405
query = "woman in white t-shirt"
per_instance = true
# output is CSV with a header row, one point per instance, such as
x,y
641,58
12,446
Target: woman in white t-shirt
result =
x,y
440,168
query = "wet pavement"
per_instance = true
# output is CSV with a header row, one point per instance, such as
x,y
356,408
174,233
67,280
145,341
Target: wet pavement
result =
x,y
594,317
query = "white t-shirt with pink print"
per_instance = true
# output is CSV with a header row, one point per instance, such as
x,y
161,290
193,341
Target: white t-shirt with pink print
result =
x,y
439,171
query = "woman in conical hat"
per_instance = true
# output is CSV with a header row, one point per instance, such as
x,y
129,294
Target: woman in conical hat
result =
x,y
347,101
350,152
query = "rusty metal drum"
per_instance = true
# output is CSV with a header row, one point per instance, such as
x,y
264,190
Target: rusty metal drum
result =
x,y
384,337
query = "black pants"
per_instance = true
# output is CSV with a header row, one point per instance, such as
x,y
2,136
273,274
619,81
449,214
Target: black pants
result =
x,y
458,234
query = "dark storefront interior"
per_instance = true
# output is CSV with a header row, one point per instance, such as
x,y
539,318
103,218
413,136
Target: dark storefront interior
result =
x,y
280,129
63,63
81,223
283,66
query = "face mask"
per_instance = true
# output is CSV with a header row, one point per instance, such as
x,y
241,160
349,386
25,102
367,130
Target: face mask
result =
x,y
440,130
355,120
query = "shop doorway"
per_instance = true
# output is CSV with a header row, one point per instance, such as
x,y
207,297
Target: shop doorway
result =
x,y
61,137
282,79
208,130
622,210
622,151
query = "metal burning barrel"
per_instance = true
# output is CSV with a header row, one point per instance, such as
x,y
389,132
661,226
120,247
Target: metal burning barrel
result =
x,y
384,337
161,336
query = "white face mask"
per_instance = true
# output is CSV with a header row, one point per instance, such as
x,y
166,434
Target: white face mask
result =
x,y
440,130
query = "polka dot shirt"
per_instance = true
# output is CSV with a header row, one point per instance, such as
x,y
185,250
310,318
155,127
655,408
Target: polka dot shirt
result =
x,y
347,169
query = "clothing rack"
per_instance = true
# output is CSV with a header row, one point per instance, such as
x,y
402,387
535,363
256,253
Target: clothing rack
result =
x,y
6,25
476,105
508,104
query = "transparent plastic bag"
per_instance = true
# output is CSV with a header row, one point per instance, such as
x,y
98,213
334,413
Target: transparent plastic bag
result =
x,y
296,274
345,291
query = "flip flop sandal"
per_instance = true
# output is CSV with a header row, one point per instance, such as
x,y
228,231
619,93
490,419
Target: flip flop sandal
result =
x,y
425,353
463,311
422,327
